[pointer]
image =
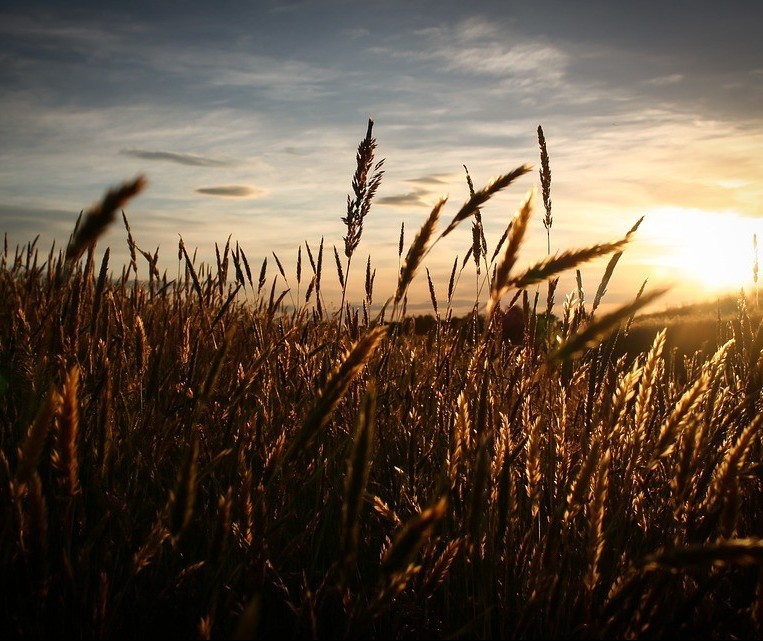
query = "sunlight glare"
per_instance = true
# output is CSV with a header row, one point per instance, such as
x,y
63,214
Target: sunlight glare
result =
x,y
707,249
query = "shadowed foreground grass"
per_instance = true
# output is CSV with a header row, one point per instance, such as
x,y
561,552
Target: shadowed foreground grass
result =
x,y
175,462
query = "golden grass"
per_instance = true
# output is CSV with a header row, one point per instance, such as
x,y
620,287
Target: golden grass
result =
x,y
179,461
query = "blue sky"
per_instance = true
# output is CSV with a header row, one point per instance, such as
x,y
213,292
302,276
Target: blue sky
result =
x,y
245,117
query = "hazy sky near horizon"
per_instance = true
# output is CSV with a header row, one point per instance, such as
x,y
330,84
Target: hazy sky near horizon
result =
x,y
245,118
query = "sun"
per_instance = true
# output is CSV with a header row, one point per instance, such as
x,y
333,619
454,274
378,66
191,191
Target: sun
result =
x,y
710,250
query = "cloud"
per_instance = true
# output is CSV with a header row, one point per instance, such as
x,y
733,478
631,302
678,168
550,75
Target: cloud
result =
x,y
426,191
430,180
191,160
415,198
33,219
279,79
477,47
662,81
233,191
532,59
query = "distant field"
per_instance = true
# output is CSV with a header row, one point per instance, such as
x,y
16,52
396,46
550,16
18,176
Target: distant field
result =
x,y
700,327
176,463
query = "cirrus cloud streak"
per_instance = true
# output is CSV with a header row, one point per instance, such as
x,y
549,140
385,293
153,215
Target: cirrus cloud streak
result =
x,y
192,160
233,191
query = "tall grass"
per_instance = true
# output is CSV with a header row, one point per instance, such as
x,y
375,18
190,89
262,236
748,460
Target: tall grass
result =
x,y
176,461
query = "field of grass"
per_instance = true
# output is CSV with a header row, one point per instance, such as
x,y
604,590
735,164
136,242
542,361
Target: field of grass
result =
x,y
178,462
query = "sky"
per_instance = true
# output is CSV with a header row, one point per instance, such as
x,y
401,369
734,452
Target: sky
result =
x,y
245,118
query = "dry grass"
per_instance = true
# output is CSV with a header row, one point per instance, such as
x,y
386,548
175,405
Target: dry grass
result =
x,y
178,462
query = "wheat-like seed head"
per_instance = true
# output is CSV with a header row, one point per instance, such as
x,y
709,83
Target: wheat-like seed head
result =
x,y
483,195
410,538
595,523
335,388
644,407
568,259
64,455
679,416
742,551
100,216
581,484
31,448
590,335
365,183
545,178
417,251
500,283
533,463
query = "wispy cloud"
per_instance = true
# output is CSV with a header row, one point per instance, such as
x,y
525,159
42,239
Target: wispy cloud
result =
x,y
662,81
477,47
233,191
497,59
191,160
426,191
15,217
415,198
435,180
